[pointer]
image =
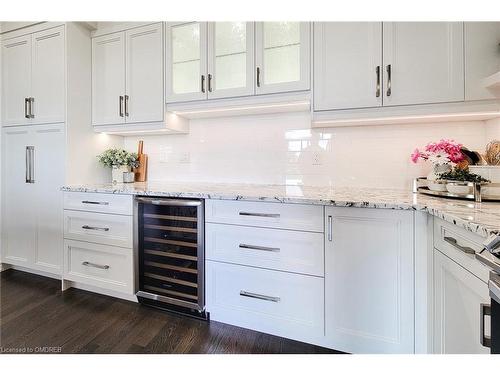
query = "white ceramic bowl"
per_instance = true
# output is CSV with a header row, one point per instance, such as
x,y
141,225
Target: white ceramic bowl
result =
x,y
436,185
459,189
490,172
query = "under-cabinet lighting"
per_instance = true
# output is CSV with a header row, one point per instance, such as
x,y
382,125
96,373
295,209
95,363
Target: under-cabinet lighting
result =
x,y
244,107
138,132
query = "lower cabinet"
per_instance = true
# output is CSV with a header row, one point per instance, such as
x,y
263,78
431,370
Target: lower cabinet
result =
x,y
275,302
369,280
458,295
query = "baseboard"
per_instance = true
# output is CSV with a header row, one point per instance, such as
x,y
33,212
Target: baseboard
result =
x,y
89,288
4,267
36,272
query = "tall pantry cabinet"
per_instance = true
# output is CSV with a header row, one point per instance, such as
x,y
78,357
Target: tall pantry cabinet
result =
x,y
47,138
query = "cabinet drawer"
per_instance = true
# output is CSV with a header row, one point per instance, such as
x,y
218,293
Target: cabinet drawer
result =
x,y
269,215
456,242
278,249
279,303
103,266
116,230
99,202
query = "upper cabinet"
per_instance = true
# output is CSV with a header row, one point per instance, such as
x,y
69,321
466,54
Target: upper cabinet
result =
x,y
347,65
186,46
282,56
127,76
233,59
423,62
230,59
482,58
33,78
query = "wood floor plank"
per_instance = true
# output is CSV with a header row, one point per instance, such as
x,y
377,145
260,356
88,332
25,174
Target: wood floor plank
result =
x,y
35,313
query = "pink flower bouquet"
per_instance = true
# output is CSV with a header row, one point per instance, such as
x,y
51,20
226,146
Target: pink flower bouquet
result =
x,y
445,151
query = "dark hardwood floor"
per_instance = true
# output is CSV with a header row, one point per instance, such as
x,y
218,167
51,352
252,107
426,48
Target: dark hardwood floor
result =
x,y
35,314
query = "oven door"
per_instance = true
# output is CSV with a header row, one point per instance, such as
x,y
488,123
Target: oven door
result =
x,y
494,285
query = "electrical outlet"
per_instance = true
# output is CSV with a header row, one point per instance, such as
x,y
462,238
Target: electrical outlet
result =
x,y
184,158
317,158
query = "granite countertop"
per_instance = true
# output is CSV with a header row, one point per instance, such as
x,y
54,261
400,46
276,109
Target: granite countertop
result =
x,y
481,218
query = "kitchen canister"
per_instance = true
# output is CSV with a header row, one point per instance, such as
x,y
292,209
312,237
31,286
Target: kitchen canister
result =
x,y
128,177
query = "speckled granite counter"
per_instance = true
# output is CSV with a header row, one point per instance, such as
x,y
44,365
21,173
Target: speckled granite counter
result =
x,y
481,218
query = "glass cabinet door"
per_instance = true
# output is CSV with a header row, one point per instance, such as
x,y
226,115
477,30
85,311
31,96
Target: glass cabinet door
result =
x,y
230,59
282,56
186,46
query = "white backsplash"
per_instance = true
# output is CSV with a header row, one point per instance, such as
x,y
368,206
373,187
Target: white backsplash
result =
x,y
282,148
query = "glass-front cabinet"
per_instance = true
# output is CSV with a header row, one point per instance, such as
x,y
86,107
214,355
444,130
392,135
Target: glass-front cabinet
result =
x,y
282,56
230,59
186,55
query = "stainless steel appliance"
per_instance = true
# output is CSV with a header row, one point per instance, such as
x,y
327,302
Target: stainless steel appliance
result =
x,y
171,260
490,256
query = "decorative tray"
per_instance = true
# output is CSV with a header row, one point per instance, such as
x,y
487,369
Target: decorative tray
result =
x,y
485,191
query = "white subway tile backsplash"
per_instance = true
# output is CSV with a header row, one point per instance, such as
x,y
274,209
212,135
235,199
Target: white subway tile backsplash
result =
x,y
281,148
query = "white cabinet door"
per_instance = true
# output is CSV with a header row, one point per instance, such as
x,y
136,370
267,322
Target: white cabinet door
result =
x,y
458,295
424,62
230,59
49,177
108,79
16,80
144,77
48,72
186,61
347,65
282,56
482,40
19,201
369,287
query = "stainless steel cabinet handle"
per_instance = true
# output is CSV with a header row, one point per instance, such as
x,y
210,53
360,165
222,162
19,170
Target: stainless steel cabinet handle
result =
x,y
258,77
202,83
330,228
126,105
377,89
26,114
452,241
485,311
209,83
120,106
95,202
30,161
27,164
95,228
32,112
168,202
257,214
102,267
263,248
259,296
389,79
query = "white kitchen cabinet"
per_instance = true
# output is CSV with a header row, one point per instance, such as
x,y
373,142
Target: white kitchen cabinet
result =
x,y
127,76
33,78
16,80
32,202
482,57
48,76
282,56
186,60
108,79
423,62
347,65
369,280
230,59
458,295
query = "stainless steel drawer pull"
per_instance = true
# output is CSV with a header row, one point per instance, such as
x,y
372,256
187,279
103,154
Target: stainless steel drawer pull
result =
x,y
263,248
259,296
485,311
95,228
330,228
26,114
102,267
377,87
168,201
389,80
94,202
258,214
452,241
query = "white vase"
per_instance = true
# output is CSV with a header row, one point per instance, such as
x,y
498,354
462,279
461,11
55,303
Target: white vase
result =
x,y
117,173
432,178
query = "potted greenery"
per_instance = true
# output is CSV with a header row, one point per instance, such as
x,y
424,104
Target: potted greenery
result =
x,y
461,175
119,161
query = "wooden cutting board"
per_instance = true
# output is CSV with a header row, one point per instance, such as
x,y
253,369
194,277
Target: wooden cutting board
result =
x,y
141,171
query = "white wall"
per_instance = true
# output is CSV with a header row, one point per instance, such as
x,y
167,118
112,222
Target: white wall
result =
x,y
282,148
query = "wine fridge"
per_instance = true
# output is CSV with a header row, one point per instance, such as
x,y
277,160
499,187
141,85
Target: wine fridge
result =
x,y
170,248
